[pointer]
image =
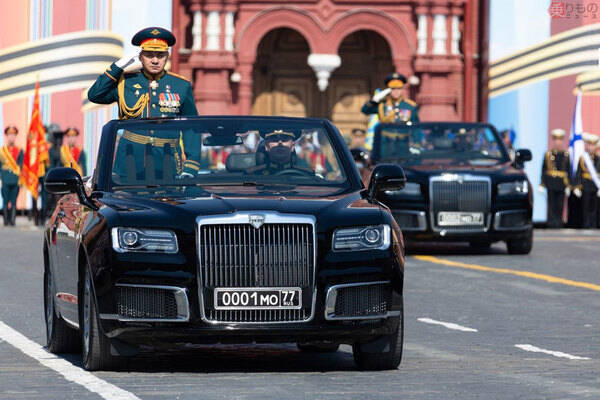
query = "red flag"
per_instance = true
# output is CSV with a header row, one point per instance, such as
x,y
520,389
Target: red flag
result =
x,y
36,150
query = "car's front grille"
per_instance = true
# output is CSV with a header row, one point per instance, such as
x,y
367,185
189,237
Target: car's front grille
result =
x,y
362,301
464,193
241,256
145,302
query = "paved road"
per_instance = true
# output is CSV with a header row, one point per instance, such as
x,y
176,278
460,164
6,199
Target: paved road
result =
x,y
466,313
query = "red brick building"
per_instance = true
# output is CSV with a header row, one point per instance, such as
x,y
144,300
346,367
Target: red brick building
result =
x,y
324,58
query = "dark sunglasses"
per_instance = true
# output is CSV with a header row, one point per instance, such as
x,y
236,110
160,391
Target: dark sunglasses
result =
x,y
279,138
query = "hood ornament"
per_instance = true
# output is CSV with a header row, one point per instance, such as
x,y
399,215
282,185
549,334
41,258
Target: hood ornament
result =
x,y
256,220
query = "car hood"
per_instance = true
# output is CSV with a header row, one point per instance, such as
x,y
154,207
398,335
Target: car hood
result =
x,y
127,209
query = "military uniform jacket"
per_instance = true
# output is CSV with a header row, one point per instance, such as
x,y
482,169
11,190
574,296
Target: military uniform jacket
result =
x,y
73,157
583,178
555,170
138,95
390,111
11,161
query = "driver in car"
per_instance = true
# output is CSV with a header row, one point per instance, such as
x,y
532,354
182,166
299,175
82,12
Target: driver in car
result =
x,y
278,154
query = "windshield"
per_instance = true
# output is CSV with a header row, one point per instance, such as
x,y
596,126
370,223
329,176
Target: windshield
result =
x,y
231,152
445,144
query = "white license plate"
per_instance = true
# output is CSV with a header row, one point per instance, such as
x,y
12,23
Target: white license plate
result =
x,y
446,218
257,298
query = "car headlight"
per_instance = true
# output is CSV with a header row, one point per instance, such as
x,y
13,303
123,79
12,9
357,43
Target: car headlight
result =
x,y
144,240
516,187
362,238
410,189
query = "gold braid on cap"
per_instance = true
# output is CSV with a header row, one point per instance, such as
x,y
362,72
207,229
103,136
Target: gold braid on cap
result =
x,y
126,111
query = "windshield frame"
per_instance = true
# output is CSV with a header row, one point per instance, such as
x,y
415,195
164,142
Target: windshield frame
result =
x,y
376,149
102,177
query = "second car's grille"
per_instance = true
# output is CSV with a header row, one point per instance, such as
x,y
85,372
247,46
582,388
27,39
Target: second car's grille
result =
x,y
362,301
457,196
274,255
145,302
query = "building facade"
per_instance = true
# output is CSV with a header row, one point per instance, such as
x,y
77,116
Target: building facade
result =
x,y
324,58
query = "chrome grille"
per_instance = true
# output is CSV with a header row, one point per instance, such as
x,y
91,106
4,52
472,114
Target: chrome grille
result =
x,y
235,254
466,193
145,302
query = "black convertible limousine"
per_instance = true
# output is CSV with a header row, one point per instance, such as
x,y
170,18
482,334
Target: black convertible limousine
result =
x,y
274,238
461,184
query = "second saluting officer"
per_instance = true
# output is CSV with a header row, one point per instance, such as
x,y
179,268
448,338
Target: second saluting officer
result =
x,y
151,92
555,178
390,105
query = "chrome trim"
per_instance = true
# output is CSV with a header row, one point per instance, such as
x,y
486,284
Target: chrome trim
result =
x,y
421,219
271,217
331,299
183,305
68,321
499,214
451,177
114,233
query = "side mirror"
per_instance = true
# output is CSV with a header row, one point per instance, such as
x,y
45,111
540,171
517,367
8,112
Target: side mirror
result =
x,y
386,177
522,155
65,181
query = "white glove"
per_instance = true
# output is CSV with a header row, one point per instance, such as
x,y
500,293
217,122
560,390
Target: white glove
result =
x,y
568,191
380,95
128,61
577,192
541,189
185,175
598,193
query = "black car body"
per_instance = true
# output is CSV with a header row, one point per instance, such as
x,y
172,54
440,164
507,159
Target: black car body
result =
x,y
205,245
458,171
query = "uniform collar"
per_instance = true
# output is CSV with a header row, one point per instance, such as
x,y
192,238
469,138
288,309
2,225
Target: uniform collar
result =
x,y
153,77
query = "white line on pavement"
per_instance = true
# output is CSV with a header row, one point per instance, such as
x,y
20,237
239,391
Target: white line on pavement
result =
x,y
448,325
71,372
528,347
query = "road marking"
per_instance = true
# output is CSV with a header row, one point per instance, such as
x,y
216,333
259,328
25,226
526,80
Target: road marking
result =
x,y
527,274
567,239
448,325
528,347
71,372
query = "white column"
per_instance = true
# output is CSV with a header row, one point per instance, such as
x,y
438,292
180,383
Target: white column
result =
x,y
213,30
454,48
422,35
323,65
439,34
197,31
229,31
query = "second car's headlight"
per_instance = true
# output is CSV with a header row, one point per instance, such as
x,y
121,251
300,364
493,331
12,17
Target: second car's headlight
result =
x,y
516,187
409,189
144,240
362,238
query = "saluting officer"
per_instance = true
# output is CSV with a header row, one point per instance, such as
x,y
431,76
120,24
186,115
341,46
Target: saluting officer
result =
x,y
11,161
71,155
555,178
390,105
585,188
151,92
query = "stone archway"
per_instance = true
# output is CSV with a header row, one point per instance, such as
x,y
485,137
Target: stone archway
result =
x,y
366,60
283,83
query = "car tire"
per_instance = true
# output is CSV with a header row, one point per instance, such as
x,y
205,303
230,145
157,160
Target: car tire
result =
x,y
318,348
95,345
521,244
382,360
60,337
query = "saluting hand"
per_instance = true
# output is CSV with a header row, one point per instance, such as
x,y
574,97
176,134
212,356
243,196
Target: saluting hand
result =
x,y
377,97
129,61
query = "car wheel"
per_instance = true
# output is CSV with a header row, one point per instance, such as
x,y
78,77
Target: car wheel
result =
x,y
318,348
521,244
60,337
382,353
95,346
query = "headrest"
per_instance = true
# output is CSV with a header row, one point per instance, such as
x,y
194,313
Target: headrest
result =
x,y
238,162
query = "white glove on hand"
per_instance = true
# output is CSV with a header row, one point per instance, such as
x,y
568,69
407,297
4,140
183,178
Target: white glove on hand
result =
x,y
541,189
380,95
568,191
128,60
577,192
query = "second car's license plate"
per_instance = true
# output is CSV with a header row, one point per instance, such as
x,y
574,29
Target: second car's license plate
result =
x,y
257,298
446,218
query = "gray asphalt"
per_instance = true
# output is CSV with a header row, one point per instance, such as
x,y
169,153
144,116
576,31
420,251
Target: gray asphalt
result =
x,y
438,363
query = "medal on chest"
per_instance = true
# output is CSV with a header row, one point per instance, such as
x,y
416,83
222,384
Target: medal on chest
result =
x,y
169,102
